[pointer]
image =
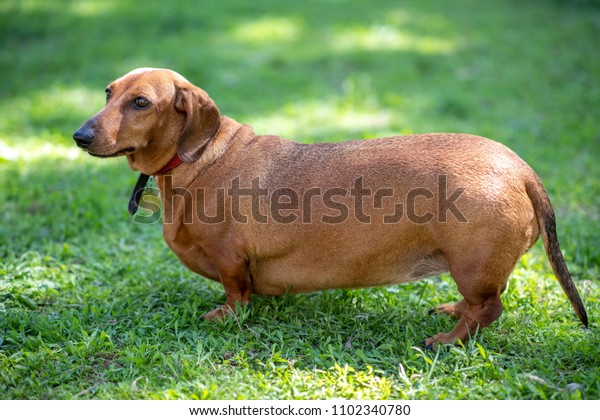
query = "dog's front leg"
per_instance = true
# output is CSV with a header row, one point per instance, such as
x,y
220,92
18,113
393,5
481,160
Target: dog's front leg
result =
x,y
238,290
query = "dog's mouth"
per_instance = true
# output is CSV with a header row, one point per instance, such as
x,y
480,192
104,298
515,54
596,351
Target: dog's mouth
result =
x,y
122,152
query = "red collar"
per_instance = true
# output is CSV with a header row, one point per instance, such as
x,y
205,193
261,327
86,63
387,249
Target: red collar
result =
x,y
140,185
173,163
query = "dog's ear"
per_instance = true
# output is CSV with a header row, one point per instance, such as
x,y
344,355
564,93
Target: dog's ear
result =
x,y
202,121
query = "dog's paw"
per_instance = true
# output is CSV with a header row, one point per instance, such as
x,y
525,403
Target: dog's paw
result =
x,y
218,314
442,338
429,346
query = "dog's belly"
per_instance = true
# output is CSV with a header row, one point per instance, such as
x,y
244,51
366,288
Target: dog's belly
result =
x,y
296,274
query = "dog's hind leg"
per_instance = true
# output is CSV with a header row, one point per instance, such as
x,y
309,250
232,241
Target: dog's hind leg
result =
x,y
480,284
476,315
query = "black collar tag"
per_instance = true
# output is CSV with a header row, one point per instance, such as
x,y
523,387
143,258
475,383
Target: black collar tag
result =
x,y
136,194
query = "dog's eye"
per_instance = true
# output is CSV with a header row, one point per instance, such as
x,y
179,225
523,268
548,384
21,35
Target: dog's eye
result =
x,y
141,102
108,91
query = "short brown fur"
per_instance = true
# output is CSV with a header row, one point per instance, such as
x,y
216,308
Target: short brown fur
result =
x,y
504,204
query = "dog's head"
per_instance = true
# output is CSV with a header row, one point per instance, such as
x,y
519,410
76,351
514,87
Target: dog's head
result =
x,y
151,114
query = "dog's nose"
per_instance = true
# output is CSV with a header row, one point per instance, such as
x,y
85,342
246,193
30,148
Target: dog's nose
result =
x,y
83,137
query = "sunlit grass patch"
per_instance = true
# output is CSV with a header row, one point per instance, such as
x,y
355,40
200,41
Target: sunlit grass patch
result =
x,y
268,30
46,113
85,8
39,148
324,121
387,37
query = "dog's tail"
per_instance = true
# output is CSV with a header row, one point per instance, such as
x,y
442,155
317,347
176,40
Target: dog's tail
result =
x,y
546,220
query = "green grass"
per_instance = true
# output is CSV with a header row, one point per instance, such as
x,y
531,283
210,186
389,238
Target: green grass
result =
x,y
95,306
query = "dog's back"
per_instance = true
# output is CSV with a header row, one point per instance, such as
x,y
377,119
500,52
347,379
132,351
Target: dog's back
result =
x,y
375,212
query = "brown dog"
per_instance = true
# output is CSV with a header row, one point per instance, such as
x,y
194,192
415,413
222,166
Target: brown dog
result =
x,y
261,214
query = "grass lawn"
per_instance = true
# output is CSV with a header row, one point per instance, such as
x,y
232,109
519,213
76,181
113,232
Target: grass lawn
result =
x,y
95,306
